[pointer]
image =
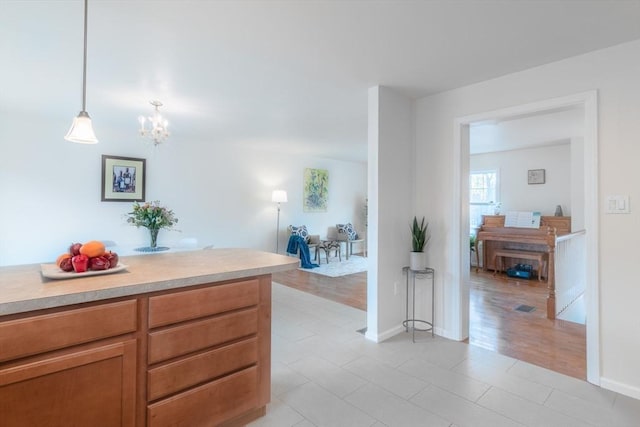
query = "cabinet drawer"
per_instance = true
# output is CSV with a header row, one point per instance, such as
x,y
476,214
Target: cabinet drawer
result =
x,y
199,335
39,334
201,368
209,404
187,305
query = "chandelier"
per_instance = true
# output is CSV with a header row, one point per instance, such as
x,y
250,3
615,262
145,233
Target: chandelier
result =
x,y
158,131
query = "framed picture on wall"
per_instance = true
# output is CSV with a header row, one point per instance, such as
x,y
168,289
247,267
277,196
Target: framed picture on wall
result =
x,y
123,179
315,190
536,176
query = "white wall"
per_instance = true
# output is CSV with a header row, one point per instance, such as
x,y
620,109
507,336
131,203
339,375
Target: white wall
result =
x,y
577,186
514,191
614,73
50,191
391,209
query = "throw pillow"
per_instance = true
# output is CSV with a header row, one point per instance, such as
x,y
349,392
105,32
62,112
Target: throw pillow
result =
x,y
348,230
300,231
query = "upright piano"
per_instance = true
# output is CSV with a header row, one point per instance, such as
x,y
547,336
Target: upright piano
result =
x,y
494,236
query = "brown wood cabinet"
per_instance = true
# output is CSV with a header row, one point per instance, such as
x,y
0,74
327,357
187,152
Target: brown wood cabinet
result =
x,y
64,369
196,356
209,353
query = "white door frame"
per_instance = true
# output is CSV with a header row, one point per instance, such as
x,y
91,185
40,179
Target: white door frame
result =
x,y
459,259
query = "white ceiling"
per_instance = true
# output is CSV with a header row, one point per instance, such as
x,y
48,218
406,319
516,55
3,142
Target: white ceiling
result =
x,y
279,74
547,128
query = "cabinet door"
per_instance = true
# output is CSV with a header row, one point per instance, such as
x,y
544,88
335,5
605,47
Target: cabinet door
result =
x,y
89,387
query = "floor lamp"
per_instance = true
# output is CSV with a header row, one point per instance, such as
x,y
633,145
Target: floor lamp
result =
x,y
278,196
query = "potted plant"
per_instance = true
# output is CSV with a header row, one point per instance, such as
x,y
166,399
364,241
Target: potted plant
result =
x,y
472,247
419,239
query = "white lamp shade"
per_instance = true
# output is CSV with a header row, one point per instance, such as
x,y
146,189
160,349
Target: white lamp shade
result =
x,y
279,196
81,130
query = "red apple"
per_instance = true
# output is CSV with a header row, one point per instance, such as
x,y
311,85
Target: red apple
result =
x,y
66,265
80,263
98,263
113,258
74,249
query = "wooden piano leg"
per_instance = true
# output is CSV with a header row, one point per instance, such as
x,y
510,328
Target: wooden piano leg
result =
x,y
551,285
540,267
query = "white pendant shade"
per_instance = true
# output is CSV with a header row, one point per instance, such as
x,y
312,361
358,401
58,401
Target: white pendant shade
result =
x,y
81,130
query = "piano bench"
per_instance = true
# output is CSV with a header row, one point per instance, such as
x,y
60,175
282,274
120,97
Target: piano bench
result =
x,y
540,257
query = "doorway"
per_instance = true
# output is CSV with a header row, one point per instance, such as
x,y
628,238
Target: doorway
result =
x,y
460,264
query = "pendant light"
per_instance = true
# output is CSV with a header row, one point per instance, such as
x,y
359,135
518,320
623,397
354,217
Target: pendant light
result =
x,y
81,129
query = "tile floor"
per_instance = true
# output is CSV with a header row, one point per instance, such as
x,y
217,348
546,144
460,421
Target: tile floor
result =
x,y
324,373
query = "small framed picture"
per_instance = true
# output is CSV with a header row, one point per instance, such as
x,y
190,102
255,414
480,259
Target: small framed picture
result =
x,y
123,179
536,176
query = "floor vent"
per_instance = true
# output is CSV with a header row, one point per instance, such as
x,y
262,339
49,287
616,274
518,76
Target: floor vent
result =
x,y
525,308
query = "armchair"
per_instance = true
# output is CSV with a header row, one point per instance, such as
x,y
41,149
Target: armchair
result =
x,y
312,240
348,235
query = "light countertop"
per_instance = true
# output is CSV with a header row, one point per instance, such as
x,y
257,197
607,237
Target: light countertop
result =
x,y
23,288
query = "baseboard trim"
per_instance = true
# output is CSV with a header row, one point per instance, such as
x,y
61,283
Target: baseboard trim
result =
x,y
399,329
443,333
385,335
621,388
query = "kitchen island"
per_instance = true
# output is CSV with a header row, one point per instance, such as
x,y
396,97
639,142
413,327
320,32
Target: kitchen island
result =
x,y
174,339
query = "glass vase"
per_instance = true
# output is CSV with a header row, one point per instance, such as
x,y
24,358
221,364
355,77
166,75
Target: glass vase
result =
x,y
154,237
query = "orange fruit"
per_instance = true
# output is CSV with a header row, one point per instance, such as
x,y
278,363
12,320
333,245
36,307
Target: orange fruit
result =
x,y
61,257
92,249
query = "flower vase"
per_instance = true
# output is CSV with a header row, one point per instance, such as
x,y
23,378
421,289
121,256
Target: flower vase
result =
x,y
154,237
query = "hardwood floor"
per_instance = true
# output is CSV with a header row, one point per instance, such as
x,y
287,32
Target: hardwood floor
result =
x,y
350,290
494,323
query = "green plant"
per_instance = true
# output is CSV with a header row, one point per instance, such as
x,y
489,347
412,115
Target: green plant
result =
x,y
151,215
419,236
472,242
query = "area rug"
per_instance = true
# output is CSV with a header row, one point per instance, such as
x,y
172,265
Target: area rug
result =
x,y
337,268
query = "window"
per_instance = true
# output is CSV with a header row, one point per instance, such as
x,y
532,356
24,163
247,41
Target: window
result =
x,y
483,195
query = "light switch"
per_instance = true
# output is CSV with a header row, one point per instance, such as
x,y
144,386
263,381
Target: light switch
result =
x,y
617,205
